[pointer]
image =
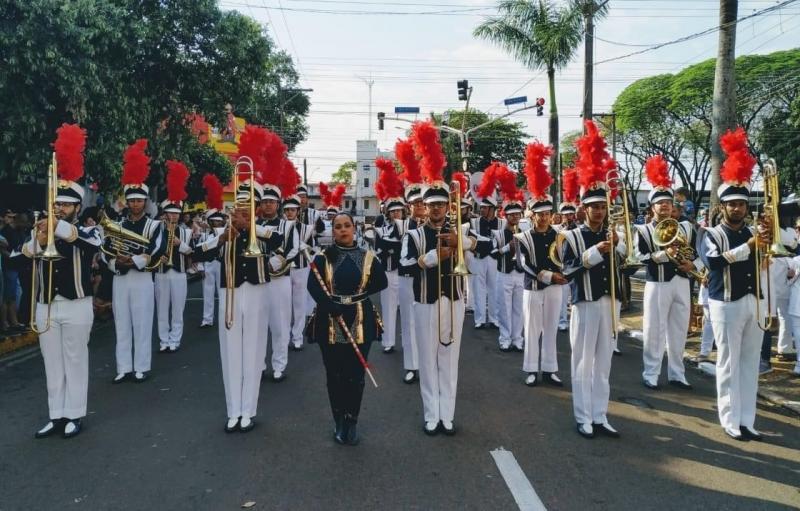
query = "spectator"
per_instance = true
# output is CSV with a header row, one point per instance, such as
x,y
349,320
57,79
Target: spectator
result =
x,y
10,275
682,198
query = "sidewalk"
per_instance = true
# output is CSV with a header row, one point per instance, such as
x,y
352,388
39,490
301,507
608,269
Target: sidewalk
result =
x,y
779,387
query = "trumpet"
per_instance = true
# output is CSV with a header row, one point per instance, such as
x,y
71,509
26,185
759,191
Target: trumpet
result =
x,y
50,253
668,233
774,248
252,250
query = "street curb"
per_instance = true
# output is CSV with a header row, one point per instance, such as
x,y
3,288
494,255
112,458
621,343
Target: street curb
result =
x,y
765,393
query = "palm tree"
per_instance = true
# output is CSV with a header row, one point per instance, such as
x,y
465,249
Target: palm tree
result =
x,y
542,36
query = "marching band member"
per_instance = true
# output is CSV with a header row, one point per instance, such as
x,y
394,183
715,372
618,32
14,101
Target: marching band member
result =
x,y
587,249
170,277
64,312
466,229
667,296
543,279
307,215
567,209
350,275
332,201
211,269
510,279
133,283
298,272
241,344
389,189
484,270
438,303
412,177
728,252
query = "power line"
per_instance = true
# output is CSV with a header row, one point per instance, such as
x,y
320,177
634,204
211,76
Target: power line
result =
x,y
700,34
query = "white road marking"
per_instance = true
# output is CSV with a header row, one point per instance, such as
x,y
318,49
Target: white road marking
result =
x,y
517,482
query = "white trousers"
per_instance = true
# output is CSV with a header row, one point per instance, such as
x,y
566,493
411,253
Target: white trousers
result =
x,y
211,283
301,300
408,333
566,294
170,300
510,287
738,341
784,327
438,364
592,348
707,338
542,322
65,350
390,302
484,290
238,347
665,323
277,315
133,305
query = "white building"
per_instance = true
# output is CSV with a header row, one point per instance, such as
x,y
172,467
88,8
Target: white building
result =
x,y
363,189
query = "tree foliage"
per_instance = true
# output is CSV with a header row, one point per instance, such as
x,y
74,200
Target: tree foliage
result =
x,y
128,69
502,140
344,174
671,114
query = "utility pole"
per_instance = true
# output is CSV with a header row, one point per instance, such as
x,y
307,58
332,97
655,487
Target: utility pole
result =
x,y
589,11
370,82
305,172
723,110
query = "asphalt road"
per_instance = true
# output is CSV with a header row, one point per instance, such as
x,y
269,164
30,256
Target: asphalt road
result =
x,y
160,444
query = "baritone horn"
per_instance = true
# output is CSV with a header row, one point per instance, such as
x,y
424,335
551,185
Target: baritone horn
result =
x,y
50,253
668,233
460,269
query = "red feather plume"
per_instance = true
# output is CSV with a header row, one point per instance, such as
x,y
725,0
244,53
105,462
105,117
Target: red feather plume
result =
x,y
289,179
325,193
388,184
404,152
337,194
463,182
136,164
570,185
536,171
428,148
69,146
177,177
274,161
657,172
252,143
739,163
499,175
214,191
594,162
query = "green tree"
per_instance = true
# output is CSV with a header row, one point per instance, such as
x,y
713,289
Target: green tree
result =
x,y
780,139
127,69
344,174
502,140
540,35
672,114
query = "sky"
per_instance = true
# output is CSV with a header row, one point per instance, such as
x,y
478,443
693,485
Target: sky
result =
x,y
415,59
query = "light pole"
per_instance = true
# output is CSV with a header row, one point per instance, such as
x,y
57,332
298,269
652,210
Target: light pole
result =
x,y
370,82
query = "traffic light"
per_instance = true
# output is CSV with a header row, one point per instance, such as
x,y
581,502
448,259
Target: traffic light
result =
x,y
463,89
539,107
381,116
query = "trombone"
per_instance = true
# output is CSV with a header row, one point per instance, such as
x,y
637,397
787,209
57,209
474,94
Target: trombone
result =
x,y
772,199
50,253
459,266
253,249
619,215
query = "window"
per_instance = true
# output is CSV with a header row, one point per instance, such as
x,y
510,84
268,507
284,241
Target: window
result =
x,y
366,204
366,182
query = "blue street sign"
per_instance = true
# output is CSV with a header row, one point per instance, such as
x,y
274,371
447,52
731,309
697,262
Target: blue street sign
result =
x,y
406,109
514,101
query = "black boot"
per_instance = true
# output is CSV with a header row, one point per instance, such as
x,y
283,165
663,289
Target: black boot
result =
x,y
339,434
351,430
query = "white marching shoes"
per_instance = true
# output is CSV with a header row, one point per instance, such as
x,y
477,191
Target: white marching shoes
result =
x,y
72,428
246,424
410,377
47,430
530,381
585,430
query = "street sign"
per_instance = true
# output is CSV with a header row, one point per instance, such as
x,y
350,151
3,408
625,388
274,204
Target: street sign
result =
x,y
514,101
406,109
